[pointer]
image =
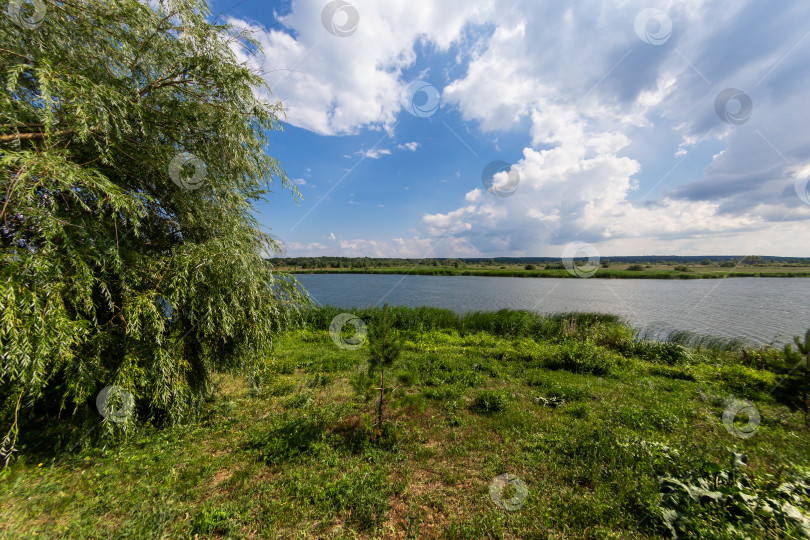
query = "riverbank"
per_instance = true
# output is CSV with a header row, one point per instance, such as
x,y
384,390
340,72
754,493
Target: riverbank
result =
x,y
611,437
661,272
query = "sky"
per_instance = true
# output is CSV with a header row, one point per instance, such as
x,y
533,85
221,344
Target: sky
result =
x,y
464,128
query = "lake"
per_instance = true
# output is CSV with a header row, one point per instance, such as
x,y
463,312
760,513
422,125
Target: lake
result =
x,y
761,310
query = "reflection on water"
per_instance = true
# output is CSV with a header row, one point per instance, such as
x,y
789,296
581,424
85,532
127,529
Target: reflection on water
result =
x,y
758,309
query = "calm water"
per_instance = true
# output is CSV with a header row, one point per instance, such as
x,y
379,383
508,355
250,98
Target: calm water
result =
x,y
759,309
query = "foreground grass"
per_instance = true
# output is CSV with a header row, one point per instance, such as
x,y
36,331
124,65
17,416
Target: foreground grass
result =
x,y
590,419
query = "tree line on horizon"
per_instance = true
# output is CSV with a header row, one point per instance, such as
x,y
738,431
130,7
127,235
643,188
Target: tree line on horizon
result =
x,y
386,262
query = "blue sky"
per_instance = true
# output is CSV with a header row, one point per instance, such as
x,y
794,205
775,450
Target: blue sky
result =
x,y
611,116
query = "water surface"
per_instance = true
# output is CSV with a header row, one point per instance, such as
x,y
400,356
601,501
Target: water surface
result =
x,y
758,309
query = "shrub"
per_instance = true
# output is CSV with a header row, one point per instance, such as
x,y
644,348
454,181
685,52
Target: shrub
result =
x,y
505,323
529,267
798,360
660,352
745,382
682,268
612,336
635,268
490,401
582,357
762,358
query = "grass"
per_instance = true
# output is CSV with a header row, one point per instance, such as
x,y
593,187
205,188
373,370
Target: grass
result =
x,y
611,435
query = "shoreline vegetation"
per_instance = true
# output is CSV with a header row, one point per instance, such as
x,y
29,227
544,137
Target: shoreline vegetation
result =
x,y
616,268
611,436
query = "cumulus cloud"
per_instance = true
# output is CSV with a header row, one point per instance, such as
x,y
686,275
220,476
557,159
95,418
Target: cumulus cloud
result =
x,y
593,102
412,146
338,85
578,178
373,153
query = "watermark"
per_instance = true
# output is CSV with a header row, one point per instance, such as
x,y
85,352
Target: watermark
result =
x,y
653,26
728,112
420,98
340,18
280,248
120,414
166,308
355,341
500,178
498,486
730,414
27,14
802,186
182,160
580,250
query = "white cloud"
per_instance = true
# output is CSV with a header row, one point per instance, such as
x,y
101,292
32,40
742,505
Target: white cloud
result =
x,y
474,196
337,85
374,153
577,177
452,222
596,106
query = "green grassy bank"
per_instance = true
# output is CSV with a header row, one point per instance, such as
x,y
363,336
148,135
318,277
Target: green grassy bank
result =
x,y
613,438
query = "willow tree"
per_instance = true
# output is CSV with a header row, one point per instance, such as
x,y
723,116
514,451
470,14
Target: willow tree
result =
x,y
132,154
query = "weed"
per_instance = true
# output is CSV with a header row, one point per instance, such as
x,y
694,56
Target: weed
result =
x,y
490,401
211,520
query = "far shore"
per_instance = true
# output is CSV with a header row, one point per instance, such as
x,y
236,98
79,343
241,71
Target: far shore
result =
x,y
617,272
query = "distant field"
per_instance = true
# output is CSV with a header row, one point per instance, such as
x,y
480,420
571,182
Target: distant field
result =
x,y
614,271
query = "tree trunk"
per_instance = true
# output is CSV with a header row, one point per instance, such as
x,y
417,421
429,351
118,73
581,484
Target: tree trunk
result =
x,y
382,397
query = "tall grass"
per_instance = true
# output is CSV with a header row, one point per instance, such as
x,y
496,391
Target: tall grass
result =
x,y
667,350
502,323
696,340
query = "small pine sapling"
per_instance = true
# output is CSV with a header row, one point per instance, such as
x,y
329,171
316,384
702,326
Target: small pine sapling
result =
x,y
384,350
